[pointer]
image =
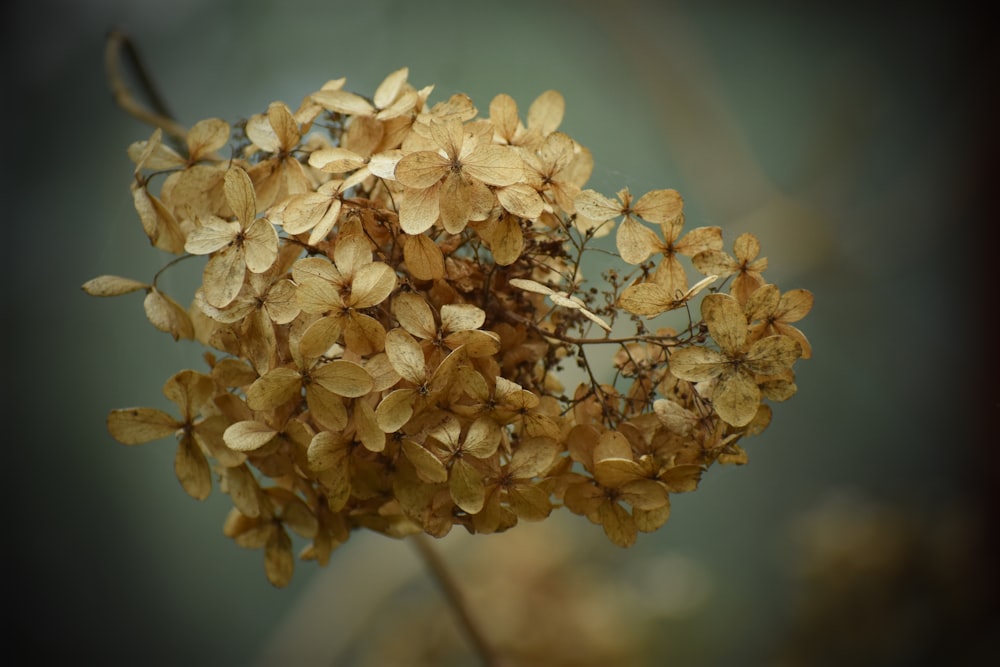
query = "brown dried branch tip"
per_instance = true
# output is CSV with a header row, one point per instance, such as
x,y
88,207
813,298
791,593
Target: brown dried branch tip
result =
x,y
391,292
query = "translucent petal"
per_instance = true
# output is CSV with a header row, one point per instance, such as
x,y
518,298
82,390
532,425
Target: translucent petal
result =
x,y
660,206
240,195
726,322
696,364
635,241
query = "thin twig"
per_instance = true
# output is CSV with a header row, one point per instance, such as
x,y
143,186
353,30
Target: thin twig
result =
x,y
449,587
117,46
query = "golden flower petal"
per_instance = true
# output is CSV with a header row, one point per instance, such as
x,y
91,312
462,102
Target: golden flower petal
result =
x,y
736,398
635,241
167,315
277,386
240,195
112,286
134,426
696,364
279,561
344,378
429,467
466,486
727,325
246,436
414,315
423,257
406,356
660,206
192,469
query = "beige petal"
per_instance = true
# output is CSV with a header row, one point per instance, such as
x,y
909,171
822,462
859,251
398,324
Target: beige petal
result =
x,y
167,315
242,487
618,524
276,387
495,165
192,469
261,245
419,210
546,113
466,486
429,468
327,451
507,242
461,317
134,426
246,436
649,520
240,195
212,234
696,364
529,503
390,88
344,102
344,378
320,336
157,221
326,407
533,457
112,286
644,494
522,200
596,206
635,241
373,283
736,398
421,169
205,137
646,299
726,322
406,356
482,438
414,315
423,257
660,206
504,116
223,276
395,410
773,355
368,431
335,160
279,561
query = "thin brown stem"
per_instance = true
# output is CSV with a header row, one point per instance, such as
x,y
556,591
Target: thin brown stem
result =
x,y
117,47
439,570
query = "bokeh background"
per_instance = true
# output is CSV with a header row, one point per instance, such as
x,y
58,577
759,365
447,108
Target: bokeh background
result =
x,y
858,143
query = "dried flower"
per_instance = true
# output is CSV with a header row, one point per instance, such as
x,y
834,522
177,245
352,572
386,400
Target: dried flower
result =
x,y
393,291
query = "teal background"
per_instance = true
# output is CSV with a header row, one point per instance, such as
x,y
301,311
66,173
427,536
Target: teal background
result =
x,y
857,144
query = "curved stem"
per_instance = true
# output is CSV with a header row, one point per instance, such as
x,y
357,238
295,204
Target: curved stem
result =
x,y
439,570
117,45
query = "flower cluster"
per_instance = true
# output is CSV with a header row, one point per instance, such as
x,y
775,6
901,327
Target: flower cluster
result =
x,y
391,293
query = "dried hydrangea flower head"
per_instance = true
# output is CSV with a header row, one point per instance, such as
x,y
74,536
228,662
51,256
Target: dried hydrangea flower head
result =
x,y
390,295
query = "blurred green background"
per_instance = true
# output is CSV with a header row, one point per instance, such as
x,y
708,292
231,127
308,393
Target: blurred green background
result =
x,y
857,144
